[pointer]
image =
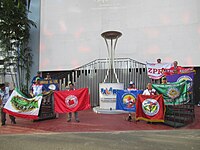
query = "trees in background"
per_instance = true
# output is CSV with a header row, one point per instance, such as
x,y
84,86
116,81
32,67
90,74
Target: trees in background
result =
x,y
14,40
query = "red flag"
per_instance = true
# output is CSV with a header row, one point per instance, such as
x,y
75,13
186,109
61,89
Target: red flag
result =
x,y
71,101
150,108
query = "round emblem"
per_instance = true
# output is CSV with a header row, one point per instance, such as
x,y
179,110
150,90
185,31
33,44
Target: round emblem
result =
x,y
173,92
150,107
188,79
71,101
52,87
129,100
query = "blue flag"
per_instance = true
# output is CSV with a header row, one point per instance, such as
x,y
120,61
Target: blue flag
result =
x,y
126,100
188,77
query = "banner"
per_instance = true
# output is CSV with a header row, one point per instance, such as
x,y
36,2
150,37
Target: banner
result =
x,y
126,100
108,93
150,108
71,101
188,77
179,70
155,70
50,85
173,93
20,106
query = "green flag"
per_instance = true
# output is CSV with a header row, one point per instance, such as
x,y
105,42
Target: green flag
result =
x,y
173,93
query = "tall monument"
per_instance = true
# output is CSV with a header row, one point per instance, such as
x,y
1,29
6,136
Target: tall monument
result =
x,y
111,38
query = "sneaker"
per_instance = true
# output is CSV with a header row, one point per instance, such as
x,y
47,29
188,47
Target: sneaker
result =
x,y
3,124
77,120
68,120
198,104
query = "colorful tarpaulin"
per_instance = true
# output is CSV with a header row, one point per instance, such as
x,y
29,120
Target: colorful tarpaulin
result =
x,y
20,106
173,93
155,70
150,108
71,101
126,100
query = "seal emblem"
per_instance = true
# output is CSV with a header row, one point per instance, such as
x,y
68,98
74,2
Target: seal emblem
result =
x,y
129,100
173,92
71,101
150,107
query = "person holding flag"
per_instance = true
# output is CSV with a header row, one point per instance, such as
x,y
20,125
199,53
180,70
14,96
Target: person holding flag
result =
x,y
131,87
149,90
71,87
37,88
4,96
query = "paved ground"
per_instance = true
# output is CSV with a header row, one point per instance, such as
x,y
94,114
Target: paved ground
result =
x,y
129,140
98,131
90,122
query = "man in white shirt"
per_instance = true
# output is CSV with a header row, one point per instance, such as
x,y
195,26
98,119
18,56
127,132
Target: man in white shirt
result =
x,y
4,95
37,88
149,90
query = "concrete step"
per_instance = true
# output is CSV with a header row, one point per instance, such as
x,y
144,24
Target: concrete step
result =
x,y
174,124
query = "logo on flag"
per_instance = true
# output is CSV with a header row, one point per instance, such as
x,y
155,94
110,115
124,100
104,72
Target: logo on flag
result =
x,y
186,78
71,101
129,100
126,100
20,106
173,92
150,107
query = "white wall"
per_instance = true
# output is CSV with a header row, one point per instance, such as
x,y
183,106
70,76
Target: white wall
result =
x,y
70,32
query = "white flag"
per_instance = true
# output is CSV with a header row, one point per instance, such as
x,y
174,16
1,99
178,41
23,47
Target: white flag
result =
x,y
156,70
20,106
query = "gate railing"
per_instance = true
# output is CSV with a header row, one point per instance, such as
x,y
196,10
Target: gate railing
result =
x,y
93,73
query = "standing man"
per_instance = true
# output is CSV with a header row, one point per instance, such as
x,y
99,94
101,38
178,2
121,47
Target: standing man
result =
x,y
158,60
37,76
4,96
71,87
149,90
131,86
37,88
175,69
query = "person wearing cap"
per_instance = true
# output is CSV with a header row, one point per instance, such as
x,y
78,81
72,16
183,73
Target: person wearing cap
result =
x,y
4,96
164,80
131,86
48,77
37,88
37,76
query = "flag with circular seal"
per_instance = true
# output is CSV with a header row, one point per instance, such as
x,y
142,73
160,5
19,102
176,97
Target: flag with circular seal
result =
x,y
126,100
150,108
71,101
175,93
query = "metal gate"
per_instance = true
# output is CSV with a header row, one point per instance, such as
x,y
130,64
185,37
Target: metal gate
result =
x,y
93,73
